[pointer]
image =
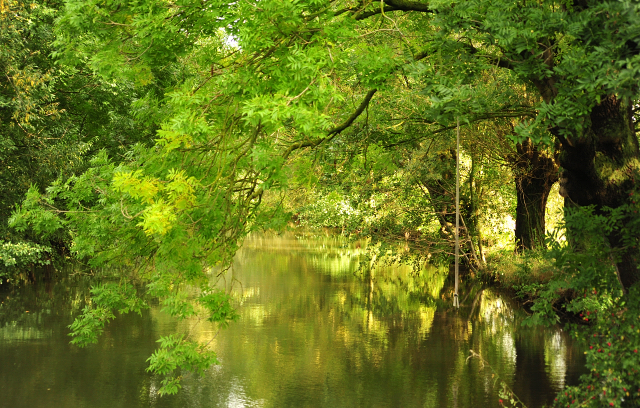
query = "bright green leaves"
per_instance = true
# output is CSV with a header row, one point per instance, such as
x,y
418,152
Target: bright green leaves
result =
x,y
129,39
121,297
87,328
178,305
375,69
176,353
164,199
274,22
31,214
158,218
181,189
137,186
188,125
171,139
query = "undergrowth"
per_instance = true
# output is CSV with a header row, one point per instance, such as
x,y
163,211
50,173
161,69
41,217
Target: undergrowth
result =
x,y
577,284
18,258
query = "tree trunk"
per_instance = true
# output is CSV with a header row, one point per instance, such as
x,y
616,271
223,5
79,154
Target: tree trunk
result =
x,y
598,168
442,196
535,174
442,192
474,211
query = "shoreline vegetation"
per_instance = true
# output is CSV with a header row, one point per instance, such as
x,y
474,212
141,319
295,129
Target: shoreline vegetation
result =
x,y
550,284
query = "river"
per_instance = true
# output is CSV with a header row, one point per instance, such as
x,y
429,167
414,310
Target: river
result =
x,y
314,331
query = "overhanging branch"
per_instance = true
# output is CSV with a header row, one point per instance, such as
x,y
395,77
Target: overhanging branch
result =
x,y
333,132
366,14
396,5
408,5
477,118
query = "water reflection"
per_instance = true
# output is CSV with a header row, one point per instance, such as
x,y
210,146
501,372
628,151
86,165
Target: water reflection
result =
x,y
315,331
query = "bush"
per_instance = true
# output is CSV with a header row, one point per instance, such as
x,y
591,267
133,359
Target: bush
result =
x,y
16,257
612,342
525,274
586,286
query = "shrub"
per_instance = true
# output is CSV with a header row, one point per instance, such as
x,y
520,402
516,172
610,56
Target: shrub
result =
x,y
16,257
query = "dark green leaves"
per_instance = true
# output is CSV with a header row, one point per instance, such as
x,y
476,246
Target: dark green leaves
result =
x,y
106,298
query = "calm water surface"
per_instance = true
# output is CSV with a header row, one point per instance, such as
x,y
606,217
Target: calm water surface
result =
x,y
313,332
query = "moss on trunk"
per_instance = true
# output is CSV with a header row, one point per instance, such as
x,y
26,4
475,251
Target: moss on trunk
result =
x,y
598,168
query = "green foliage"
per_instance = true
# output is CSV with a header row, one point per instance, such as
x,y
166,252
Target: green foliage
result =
x,y
218,305
15,257
526,273
106,298
87,328
53,117
613,340
332,210
119,216
176,353
235,92
586,266
585,285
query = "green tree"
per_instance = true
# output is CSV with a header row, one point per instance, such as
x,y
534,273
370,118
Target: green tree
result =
x,y
265,81
52,117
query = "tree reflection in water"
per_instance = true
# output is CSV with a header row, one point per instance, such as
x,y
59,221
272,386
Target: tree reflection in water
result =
x,y
315,331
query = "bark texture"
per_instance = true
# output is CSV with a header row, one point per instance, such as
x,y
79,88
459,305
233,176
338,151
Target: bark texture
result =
x,y
598,168
535,173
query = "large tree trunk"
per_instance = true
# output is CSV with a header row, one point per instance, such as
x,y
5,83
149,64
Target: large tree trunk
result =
x,y
598,168
535,174
441,191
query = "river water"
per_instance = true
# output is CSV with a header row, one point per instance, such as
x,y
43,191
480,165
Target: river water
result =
x,y
314,331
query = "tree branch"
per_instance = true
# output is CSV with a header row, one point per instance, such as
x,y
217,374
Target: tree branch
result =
x,y
366,14
477,118
408,5
396,5
333,132
354,115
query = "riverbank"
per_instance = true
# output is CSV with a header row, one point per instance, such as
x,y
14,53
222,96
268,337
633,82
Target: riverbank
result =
x,y
313,331
389,300
579,290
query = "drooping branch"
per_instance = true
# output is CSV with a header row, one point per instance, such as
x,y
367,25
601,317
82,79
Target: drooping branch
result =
x,y
354,115
333,132
509,113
